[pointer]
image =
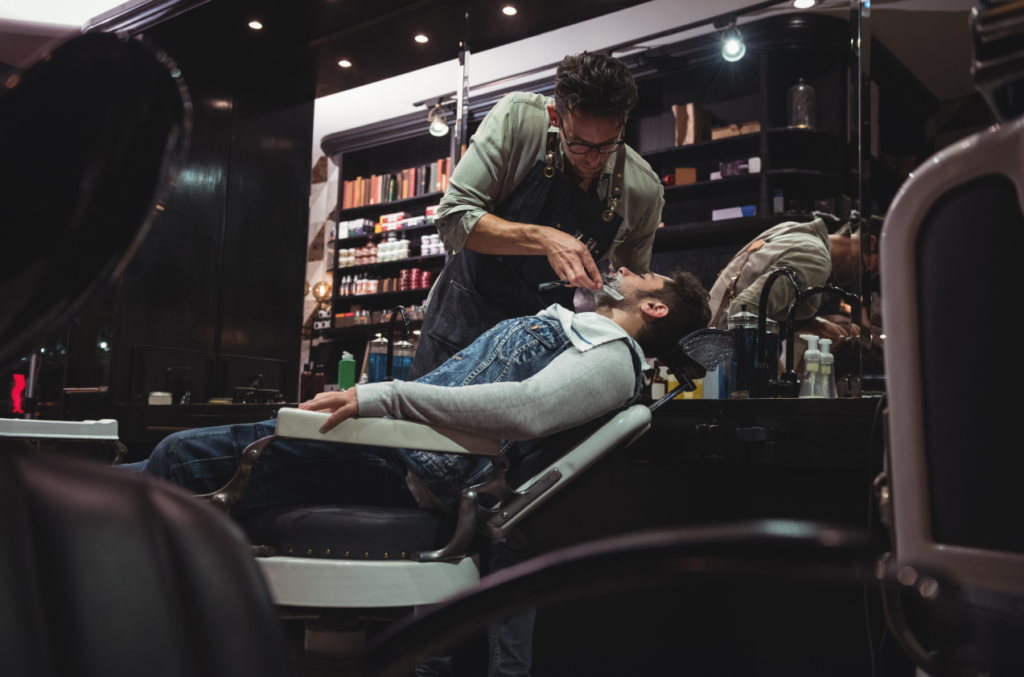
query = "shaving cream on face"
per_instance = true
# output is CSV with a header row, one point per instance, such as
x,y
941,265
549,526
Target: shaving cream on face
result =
x,y
611,291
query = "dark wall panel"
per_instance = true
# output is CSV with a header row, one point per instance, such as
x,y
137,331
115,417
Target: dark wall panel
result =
x,y
170,291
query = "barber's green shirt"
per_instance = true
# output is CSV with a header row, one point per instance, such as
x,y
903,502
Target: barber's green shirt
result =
x,y
505,148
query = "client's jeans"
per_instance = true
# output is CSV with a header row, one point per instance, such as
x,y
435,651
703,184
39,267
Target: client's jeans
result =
x,y
300,471
288,472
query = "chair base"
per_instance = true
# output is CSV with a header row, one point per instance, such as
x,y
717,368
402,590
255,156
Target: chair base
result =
x,y
353,584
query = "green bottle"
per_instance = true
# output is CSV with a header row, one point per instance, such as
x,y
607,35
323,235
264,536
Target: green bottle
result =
x,y
346,371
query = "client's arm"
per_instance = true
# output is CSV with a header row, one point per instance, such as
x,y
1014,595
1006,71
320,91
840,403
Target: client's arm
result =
x,y
575,388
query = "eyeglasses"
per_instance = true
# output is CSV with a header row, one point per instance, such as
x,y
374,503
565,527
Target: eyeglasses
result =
x,y
580,148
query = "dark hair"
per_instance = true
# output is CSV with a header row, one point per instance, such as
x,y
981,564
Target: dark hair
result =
x,y
594,84
688,311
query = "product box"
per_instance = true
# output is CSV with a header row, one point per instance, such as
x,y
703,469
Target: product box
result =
x,y
344,319
735,130
686,175
733,213
690,124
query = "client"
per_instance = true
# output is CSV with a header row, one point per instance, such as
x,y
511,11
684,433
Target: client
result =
x,y
522,381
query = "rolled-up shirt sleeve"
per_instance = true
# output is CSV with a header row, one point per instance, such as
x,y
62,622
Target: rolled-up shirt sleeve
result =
x,y
477,180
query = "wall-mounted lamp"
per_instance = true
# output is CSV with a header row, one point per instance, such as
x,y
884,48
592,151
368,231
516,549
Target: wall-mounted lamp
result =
x,y
322,291
733,47
438,120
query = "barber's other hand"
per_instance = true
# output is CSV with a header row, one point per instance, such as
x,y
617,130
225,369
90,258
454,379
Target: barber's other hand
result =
x,y
822,328
571,260
340,405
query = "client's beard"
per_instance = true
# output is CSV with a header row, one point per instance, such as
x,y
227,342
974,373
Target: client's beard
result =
x,y
602,299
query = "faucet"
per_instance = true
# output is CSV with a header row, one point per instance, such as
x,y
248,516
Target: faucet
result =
x,y
789,384
391,338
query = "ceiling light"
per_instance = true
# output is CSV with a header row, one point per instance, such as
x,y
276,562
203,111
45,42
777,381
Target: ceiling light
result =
x,y
733,48
438,121
345,63
255,25
804,4
421,39
511,11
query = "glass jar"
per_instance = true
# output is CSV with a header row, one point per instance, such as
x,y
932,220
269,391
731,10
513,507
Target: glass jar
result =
x,y
401,361
738,375
377,367
802,106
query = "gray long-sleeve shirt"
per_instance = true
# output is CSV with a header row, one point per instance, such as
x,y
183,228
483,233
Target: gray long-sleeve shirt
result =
x,y
592,376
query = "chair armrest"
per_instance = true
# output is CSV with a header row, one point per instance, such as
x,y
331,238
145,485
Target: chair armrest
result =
x,y
622,429
384,432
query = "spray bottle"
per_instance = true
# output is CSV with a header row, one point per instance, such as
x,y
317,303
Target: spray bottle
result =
x,y
828,377
811,385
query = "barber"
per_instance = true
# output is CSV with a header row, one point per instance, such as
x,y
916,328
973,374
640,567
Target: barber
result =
x,y
546,188
815,256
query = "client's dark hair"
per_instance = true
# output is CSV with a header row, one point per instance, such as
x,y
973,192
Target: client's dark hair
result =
x,y
594,84
688,311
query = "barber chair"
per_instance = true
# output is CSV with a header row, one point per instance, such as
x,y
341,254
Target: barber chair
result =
x,y
371,561
949,492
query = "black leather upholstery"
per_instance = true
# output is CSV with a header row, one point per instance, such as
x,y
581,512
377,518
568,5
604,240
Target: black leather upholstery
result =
x,y
103,572
968,253
348,531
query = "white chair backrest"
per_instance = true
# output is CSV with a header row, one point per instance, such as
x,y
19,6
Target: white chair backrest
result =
x,y
948,246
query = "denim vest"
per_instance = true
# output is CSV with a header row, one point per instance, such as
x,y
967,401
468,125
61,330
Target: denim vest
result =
x,y
514,350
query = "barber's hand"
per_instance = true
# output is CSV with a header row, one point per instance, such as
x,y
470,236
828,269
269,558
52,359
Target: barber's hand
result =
x,y
571,260
822,328
340,405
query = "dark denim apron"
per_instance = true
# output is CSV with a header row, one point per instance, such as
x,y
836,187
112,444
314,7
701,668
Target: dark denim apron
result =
x,y
477,291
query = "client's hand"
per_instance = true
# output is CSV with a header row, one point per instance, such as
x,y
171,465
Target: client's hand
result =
x,y
340,405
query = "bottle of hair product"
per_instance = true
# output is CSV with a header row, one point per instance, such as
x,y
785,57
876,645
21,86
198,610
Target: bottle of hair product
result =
x,y
811,385
317,383
828,377
659,383
346,371
304,382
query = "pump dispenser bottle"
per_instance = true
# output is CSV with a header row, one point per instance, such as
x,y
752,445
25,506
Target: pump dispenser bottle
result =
x,y
828,377
811,385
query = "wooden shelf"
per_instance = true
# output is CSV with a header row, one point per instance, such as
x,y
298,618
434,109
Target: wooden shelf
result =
x,y
398,264
727,228
802,172
362,331
384,207
383,295
334,243
718,184
717,144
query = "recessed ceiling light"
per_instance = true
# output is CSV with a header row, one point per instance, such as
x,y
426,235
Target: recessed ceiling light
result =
x,y
345,63
255,25
510,10
421,39
804,4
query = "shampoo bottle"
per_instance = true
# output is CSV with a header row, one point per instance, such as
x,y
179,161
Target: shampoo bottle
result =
x,y
811,385
346,371
828,377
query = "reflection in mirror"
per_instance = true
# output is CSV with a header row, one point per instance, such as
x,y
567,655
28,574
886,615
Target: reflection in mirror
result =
x,y
916,97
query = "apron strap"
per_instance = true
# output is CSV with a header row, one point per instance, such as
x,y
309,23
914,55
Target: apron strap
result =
x,y
615,192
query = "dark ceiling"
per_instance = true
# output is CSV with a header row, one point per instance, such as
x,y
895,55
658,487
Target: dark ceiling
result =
x,y
377,37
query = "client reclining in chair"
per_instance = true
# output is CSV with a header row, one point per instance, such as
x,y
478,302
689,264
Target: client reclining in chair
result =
x,y
522,381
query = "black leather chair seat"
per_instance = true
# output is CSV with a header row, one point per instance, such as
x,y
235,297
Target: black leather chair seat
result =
x,y
348,531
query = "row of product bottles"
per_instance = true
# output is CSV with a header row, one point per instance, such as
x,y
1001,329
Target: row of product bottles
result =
x,y
408,279
664,382
819,376
394,248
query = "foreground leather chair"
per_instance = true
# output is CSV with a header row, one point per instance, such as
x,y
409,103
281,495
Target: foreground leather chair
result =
x,y
107,573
